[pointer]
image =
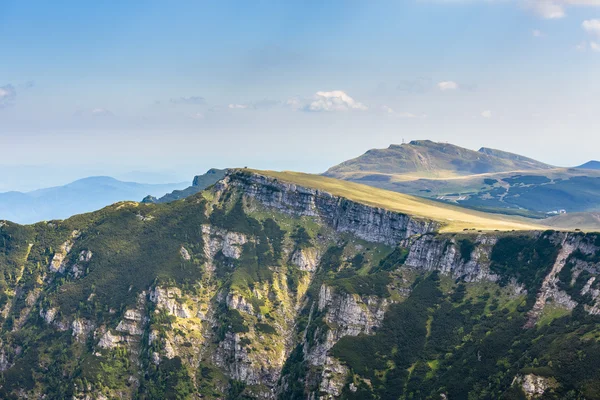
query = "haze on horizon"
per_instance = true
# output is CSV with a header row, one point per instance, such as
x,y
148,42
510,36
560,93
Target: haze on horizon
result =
x,y
158,92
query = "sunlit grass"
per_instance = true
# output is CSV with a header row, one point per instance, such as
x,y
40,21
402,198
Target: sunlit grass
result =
x,y
452,218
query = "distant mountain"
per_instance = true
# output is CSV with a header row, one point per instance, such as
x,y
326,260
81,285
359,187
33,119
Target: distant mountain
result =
x,y
590,165
488,180
424,158
200,183
81,196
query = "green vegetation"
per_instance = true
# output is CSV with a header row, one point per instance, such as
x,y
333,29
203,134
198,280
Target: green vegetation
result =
x,y
466,249
465,347
525,258
249,302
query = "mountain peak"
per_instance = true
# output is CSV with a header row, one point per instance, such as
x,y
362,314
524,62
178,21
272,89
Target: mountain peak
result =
x,y
427,158
593,164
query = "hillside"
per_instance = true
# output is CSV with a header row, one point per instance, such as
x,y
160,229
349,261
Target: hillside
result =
x,y
261,288
424,158
81,196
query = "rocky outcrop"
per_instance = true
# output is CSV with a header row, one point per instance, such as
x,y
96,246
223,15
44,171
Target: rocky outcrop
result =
x,y
306,259
109,341
441,253
373,224
535,386
81,329
344,315
167,299
219,240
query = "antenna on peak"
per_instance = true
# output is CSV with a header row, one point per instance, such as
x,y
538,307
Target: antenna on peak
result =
x,y
403,142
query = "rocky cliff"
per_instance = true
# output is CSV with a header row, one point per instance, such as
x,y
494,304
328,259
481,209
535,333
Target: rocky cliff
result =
x,y
263,289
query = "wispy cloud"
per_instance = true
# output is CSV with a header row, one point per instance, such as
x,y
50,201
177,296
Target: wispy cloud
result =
x,y
537,33
94,112
335,100
556,9
192,100
592,27
8,95
547,9
486,114
402,114
237,106
448,85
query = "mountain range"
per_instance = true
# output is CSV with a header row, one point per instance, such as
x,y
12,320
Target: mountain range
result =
x,y
81,196
488,180
282,285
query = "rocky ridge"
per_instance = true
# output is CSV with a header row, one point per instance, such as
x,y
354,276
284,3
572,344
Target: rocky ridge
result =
x,y
245,324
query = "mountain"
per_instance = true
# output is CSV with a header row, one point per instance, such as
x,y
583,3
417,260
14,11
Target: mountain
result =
x,y
488,180
278,286
595,165
424,158
83,195
199,183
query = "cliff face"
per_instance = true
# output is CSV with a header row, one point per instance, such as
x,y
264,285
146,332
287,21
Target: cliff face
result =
x,y
369,223
263,289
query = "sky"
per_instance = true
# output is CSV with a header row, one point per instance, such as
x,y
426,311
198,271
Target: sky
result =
x,y
159,91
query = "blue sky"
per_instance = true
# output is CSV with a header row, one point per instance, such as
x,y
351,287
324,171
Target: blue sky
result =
x,y
174,88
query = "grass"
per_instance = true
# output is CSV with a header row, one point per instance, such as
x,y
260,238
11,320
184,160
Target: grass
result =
x,y
452,218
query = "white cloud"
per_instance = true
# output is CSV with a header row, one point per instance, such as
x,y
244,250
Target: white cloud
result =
x,y
410,115
555,9
592,26
548,9
537,33
595,46
237,106
448,85
486,114
336,100
8,94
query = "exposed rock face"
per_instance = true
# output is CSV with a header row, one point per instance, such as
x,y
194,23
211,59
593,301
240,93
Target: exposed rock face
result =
x,y
229,243
369,223
58,260
441,253
351,313
109,341
81,329
306,259
535,386
185,254
167,299
348,315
